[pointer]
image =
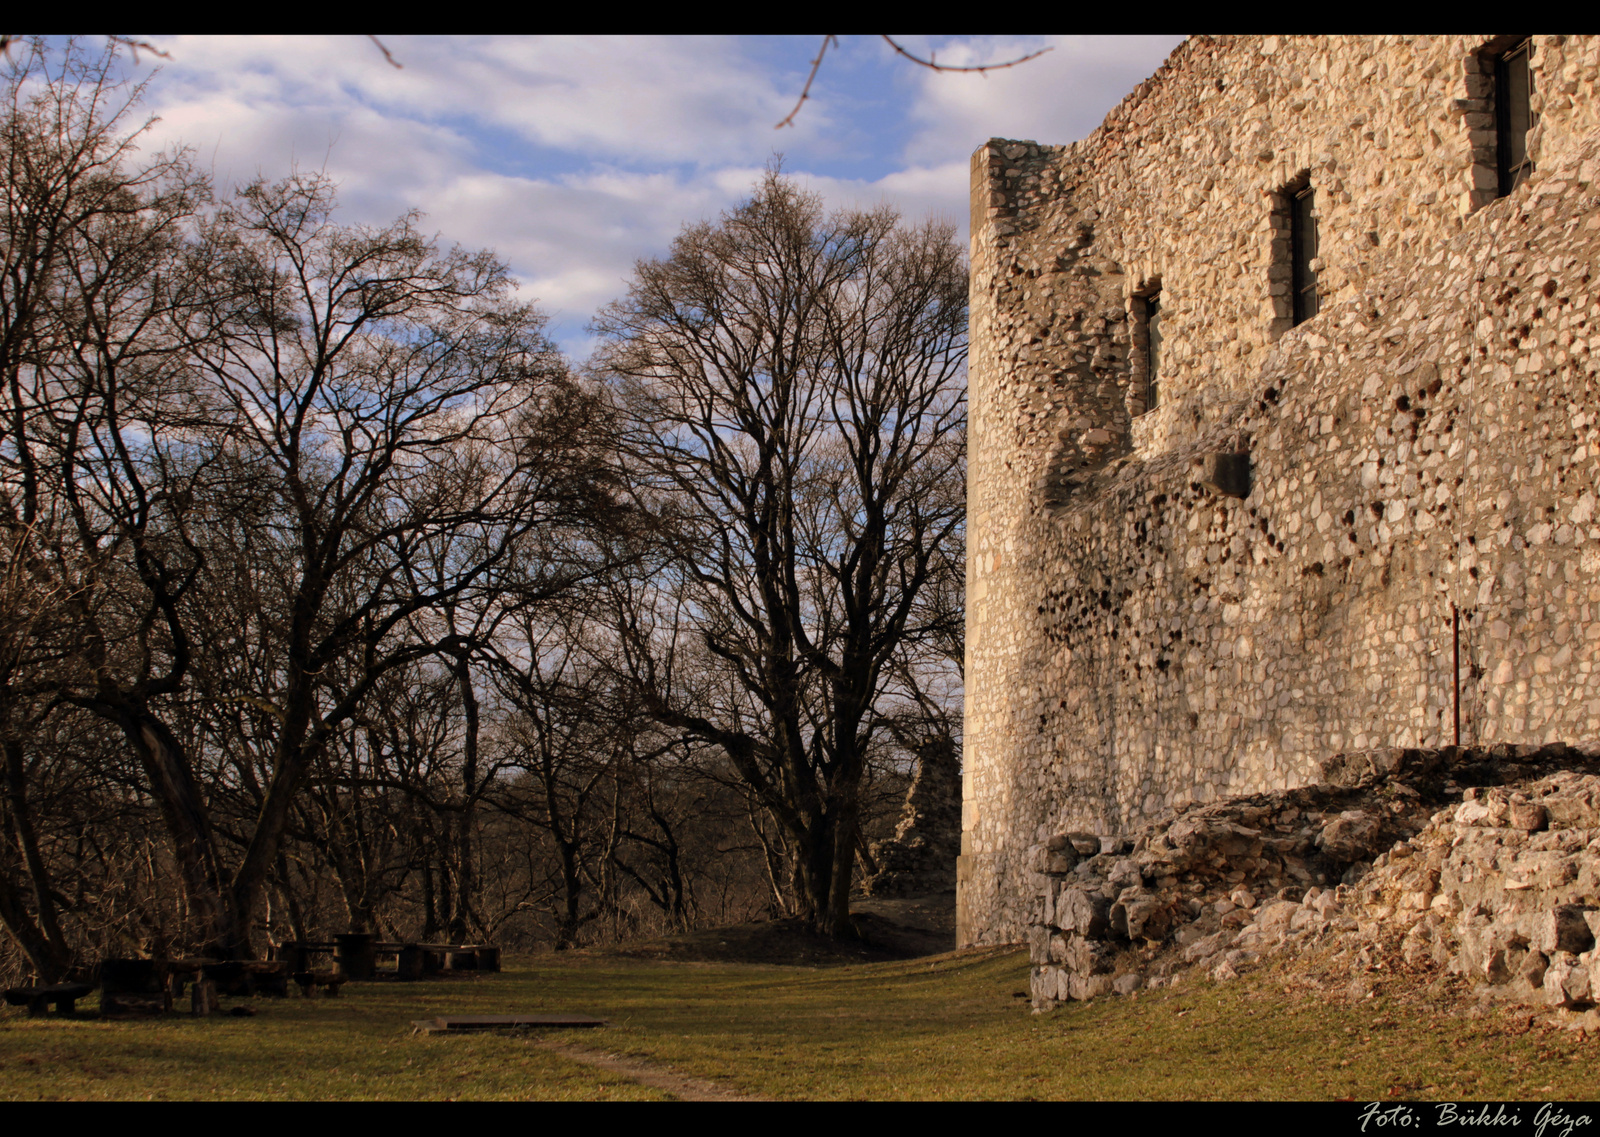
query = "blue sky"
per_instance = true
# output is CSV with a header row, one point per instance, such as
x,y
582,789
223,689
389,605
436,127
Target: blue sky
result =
x,y
573,157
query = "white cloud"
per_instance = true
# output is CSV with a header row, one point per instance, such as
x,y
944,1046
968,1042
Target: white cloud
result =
x,y
574,157
573,241
918,193
1057,98
472,131
693,99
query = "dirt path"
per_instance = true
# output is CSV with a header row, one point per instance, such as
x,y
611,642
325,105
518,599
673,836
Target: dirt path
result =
x,y
680,1086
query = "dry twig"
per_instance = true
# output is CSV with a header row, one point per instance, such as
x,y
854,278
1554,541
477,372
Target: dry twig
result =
x,y
805,92
133,46
931,63
392,60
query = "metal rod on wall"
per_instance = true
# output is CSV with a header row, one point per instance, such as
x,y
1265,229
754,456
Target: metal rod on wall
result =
x,y
1455,674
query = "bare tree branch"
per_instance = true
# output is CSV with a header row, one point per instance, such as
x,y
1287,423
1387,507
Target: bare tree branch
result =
x,y
392,60
931,63
133,45
827,41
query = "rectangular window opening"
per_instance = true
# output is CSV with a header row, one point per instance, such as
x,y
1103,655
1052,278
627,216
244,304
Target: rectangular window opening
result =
x,y
1513,115
1152,350
1302,252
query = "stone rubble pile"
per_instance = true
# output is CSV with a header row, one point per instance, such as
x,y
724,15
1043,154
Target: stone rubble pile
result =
x,y
1479,863
1503,889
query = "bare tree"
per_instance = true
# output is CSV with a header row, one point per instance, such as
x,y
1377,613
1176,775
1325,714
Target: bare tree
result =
x,y
794,390
253,451
28,899
88,238
409,425
563,738
317,603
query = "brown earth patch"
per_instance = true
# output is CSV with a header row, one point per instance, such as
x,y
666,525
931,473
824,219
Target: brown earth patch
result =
x,y
663,1078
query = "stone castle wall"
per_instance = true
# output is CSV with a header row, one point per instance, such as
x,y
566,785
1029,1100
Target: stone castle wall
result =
x,y
1152,621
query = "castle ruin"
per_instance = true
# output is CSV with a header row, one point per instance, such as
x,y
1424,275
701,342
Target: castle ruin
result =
x,y
1283,390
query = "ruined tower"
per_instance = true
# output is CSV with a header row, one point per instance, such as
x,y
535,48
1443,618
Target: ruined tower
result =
x,y
1292,359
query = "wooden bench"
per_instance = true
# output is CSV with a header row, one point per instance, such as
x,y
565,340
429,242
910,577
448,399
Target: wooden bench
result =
x,y
297,953
233,977
62,996
413,961
249,977
309,981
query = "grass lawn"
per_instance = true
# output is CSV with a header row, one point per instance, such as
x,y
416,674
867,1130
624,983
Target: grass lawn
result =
x,y
941,1027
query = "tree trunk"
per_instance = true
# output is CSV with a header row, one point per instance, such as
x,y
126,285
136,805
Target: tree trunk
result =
x,y
297,919
291,759
431,924
465,869
188,824
55,955
824,901
41,943
571,894
51,964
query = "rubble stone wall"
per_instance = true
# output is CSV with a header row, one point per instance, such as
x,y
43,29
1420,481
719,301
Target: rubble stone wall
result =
x,y
920,857
1154,620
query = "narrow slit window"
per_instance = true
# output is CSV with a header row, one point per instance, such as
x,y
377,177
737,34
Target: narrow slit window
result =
x,y
1152,329
1513,114
1303,251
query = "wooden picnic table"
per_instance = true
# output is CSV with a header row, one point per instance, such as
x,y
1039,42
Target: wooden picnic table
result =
x,y
357,953
135,986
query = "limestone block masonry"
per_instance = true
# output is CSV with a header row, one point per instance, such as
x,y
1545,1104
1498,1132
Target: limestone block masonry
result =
x,y
1209,597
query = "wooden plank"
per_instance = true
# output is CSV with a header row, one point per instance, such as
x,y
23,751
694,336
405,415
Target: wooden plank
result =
x,y
445,1024
17,996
